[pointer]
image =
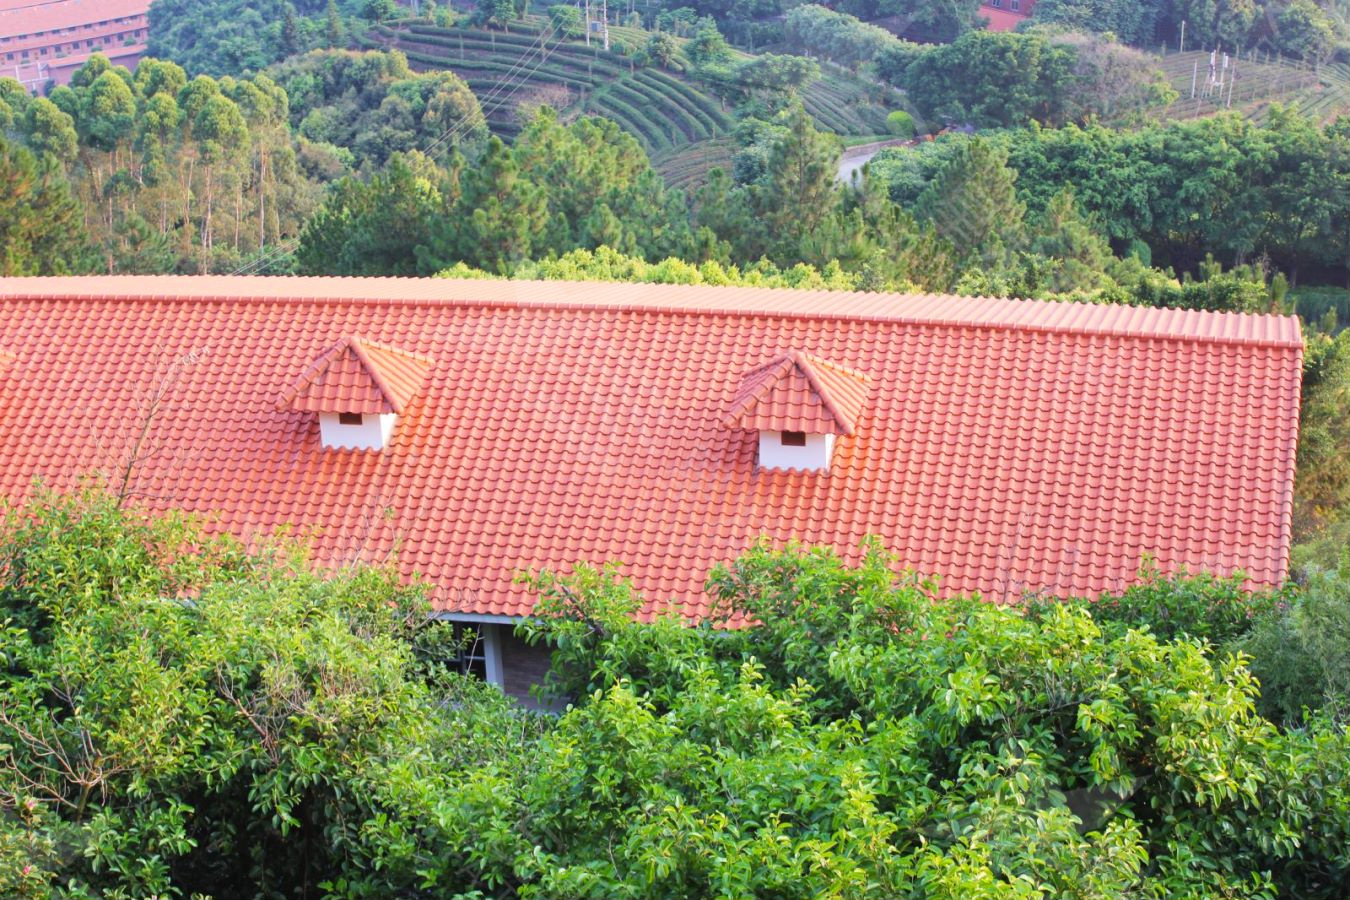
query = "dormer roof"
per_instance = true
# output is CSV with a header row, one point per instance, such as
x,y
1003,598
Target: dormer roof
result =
x,y
795,391
359,376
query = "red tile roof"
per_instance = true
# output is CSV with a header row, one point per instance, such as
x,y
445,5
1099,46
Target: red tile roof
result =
x,y
1003,19
798,392
34,16
1003,445
359,376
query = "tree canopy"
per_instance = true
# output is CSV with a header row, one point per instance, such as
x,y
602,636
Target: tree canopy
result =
x,y
180,717
40,228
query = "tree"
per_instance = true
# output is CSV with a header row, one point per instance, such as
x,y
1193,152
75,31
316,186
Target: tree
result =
x,y
1322,481
1215,23
707,46
375,228
379,10
837,36
41,232
973,203
1304,30
931,20
566,20
992,79
1004,754
332,26
373,105
290,32
220,132
496,12
900,123
501,216
1132,23
661,50
798,189
279,729
108,111
51,131
1071,240
774,78
157,76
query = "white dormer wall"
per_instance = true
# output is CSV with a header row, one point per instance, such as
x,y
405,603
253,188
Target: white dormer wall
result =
x,y
373,433
815,456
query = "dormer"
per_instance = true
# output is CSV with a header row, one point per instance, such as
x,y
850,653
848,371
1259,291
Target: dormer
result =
x,y
800,404
359,389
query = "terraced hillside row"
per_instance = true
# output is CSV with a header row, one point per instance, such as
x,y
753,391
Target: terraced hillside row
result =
x,y
665,111
661,109
1261,81
1323,101
845,105
687,167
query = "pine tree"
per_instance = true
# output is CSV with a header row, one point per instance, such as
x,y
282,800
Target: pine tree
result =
x,y
1071,240
798,190
497,221
290,32
973,204
333,30
40,222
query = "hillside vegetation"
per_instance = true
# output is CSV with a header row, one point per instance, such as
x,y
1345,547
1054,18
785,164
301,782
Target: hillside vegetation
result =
x,y
286,735
527,65
1320,92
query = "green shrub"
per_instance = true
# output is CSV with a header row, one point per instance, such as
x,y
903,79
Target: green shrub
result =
x,y
900,124
1202,607
1300,651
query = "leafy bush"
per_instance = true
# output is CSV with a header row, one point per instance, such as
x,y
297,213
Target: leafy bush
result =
x,y
911,747
179,717
1300,651
900,123
1201,607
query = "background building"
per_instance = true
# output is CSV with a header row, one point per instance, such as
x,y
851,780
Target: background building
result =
x,y
47,40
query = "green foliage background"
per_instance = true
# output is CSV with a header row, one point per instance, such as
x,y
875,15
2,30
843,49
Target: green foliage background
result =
x,y
180,718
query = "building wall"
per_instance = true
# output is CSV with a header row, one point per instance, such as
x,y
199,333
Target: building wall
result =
x,y
1003,17
48,41
372,434
523,666
814,456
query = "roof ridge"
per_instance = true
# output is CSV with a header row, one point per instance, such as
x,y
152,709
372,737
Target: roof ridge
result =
x,y
826,370
921,310
772,371
311,372
376,374
804,362
390,348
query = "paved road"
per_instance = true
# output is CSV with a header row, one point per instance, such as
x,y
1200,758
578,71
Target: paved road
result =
x,y
855,158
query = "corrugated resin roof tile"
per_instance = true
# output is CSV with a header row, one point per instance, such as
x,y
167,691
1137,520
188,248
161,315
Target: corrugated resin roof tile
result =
x,y
1003,445
795,391
359,376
